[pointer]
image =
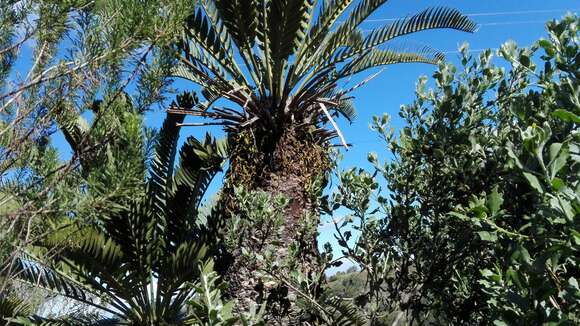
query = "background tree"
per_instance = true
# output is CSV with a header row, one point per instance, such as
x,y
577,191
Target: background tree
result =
x,y
67,66
480,221
279,63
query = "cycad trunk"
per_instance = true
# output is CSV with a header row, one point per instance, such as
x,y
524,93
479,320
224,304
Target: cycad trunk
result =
x,y
294,165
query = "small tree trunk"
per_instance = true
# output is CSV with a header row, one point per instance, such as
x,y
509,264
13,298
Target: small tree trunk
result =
x,y
294,167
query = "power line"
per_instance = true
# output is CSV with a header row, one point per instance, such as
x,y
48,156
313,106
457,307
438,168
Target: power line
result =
x,y
480,14
522,12
521,22
514,23
470,51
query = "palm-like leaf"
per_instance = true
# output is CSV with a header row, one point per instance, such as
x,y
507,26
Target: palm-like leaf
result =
x,y
344,313
376,58
294,52
199,163
73,321
12,307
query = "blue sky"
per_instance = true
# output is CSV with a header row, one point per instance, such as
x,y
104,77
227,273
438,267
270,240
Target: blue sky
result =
x,y
521,21
500,20
396,84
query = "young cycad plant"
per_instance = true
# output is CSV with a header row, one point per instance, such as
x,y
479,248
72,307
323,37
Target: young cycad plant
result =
x,y
138,264
279,63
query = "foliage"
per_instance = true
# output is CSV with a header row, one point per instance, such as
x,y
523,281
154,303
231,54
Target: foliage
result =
x,y
208,306
294,58
12,307
65,62
65,67
479,223
356,192
538,282
133,262
259,216
348,284
276,66
255,234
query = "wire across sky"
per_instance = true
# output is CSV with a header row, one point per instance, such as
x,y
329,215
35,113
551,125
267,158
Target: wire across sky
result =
x,y
481,14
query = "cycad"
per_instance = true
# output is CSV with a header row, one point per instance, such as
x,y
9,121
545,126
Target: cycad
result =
x,y
137,265
279,63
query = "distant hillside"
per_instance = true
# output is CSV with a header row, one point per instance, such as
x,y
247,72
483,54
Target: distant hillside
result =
x,y
348,284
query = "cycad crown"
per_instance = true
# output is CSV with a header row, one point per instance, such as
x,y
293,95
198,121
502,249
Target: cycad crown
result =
x,y
280,61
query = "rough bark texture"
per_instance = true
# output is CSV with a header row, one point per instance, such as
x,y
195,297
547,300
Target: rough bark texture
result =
x,y
293,166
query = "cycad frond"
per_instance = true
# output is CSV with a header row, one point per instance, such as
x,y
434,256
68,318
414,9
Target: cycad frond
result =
x,y
12,307
344,313
346,108
74,321
199,163
343,36
214,42
161,174
287,29
94,249
327,17
427,19
34,273
240,17
376,58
